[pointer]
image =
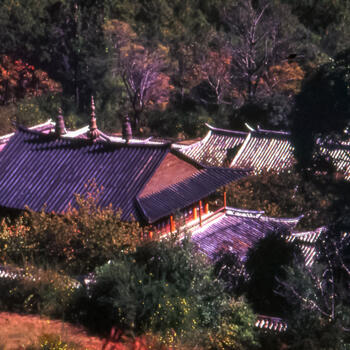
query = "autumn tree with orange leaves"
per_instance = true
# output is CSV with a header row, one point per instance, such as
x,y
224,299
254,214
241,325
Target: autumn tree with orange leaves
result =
x,y
143,72
19,79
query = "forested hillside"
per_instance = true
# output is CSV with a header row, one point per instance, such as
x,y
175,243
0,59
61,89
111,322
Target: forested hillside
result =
x,y
169,65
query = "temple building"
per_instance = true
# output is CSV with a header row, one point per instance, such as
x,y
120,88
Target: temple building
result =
x,y
150,182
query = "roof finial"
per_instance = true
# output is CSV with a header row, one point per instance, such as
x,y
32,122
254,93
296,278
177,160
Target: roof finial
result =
x,y
126,129
60,128
94,133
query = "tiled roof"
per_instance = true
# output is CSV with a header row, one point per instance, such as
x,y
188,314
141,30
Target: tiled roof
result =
x,y
340,155
215,147
275,324
46,127
265,150
259,149
197,186
238,230
307,242
38,169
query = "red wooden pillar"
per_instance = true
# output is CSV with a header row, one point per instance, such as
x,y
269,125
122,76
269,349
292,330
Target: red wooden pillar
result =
x,y
200,213
206,208
194,213
224,197
172,224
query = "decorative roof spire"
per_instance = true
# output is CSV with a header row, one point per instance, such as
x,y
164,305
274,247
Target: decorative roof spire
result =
x,y
60,128
93,131
126,130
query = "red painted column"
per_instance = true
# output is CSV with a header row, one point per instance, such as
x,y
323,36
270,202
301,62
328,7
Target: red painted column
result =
x,y
172,224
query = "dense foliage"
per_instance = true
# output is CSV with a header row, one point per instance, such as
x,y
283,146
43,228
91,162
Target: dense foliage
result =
x,y
163,288
172,66
166,288
320,200
77,242
191,61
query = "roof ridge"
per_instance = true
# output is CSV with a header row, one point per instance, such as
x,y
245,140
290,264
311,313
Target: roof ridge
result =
x,y
242,212
99,141
260,214
276,132
228,131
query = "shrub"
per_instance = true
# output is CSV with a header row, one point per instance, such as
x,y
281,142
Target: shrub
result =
x,y
77,241
52,342
236,329
37,291
163,287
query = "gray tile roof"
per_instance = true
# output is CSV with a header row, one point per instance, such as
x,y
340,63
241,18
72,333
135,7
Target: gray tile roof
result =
x,y
265,150
200,185
215,147
39,169
259,149
340,155
45,171
307,242
238,230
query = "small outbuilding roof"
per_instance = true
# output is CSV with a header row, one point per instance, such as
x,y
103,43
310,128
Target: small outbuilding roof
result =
x,y
238,230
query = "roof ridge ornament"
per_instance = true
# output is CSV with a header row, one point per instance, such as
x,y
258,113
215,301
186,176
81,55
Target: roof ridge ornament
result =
x,y
93,131
126,129
60,128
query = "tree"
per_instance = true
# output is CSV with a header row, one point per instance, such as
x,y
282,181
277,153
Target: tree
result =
x,y
258,42
146,84
19,79
142,72
214,72
64,39
320,293
321,112
266,262
230,269
287,194
167,288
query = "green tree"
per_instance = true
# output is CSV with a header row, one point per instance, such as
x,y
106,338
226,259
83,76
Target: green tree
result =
x,y
265,264
63,38
321,112
230,269
287,194
166,288
320,295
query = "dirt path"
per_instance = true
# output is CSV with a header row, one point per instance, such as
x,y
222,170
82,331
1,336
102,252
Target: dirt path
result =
x,y
18,331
